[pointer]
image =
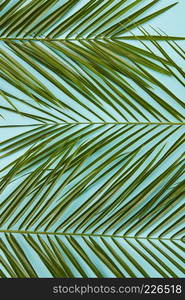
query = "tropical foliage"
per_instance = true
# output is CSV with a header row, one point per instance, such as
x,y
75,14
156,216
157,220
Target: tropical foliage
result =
x,y
92,178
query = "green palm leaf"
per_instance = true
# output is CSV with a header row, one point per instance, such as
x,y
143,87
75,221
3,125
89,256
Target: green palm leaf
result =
x,y
95,187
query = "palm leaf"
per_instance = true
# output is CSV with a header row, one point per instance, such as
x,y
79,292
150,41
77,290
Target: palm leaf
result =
x,y
108,251
95,187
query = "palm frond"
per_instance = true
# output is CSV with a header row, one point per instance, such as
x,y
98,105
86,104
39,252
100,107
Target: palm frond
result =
x,y
95,187
116,257
87,78
103,71
26,20
55,167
